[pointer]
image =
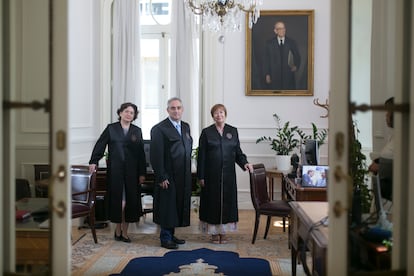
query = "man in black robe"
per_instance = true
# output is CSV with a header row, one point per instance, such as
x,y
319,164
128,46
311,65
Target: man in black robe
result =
x,y
281,61
171,146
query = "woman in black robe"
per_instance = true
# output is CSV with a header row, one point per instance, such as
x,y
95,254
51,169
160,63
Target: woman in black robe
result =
x,y
125,170
219,151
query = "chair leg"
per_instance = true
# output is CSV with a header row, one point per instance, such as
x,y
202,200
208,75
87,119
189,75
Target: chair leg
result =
x,y
92,224
256,226
284,224
267,226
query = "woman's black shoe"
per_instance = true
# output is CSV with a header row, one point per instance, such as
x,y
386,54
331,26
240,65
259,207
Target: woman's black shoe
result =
x,y
118,238
125,239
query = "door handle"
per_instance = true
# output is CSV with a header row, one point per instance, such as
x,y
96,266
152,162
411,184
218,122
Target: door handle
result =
x,y
35,105
404,107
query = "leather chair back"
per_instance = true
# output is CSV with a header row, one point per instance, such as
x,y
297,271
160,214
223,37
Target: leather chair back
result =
x,y
22,188
258,186
83,185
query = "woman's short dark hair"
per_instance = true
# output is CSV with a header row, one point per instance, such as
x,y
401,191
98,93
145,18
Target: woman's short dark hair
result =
x,y
125,106
218,106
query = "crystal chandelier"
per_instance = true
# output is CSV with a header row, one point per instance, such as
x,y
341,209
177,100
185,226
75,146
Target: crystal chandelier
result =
x,y
225,15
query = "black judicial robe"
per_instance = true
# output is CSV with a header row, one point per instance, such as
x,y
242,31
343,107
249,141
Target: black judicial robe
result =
x,y
126,164
171,159
216,161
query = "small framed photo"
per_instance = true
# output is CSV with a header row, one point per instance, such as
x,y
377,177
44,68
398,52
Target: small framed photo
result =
x,y
279,54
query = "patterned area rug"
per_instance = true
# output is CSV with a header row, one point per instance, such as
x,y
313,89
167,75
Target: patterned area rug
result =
x,y
109,256
201,261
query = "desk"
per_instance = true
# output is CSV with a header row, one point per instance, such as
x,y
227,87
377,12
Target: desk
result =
x,y
303,232
271,174
298,193
32,242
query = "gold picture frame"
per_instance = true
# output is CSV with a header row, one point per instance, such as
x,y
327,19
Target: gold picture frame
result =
x,y
263,52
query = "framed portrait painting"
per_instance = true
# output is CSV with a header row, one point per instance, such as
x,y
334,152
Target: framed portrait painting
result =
x,y
279,54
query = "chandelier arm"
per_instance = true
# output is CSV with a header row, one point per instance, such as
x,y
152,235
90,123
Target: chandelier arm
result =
x,y
220,15
196,10
242,8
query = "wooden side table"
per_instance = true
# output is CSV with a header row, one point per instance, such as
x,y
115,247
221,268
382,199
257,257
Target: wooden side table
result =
x,y
271,174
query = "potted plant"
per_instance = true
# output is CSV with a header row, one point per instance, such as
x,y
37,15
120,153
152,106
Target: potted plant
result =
x,y
106,156
358,170
283,144
317,134
196,189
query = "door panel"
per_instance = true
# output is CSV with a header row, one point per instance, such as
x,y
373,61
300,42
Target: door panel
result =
x,y
369,64
34,71
338,149
61,235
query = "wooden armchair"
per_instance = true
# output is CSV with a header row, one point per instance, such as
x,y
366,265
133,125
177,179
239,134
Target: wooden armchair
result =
x,y
261,201
84,195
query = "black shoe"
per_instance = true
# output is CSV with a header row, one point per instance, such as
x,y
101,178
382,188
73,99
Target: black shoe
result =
x,y
117,238
122,238
169,245
178,241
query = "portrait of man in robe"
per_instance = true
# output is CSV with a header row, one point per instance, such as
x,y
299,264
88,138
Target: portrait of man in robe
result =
x,y
279,54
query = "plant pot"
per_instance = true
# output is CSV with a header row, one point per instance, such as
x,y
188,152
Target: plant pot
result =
x,y
283,163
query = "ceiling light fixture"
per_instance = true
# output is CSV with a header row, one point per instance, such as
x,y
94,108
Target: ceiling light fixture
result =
x,y
225,15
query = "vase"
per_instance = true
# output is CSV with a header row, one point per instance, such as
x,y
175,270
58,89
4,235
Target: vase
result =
x,y
283,163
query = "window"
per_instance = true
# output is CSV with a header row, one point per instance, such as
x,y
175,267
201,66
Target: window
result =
x,y
155,62
155,58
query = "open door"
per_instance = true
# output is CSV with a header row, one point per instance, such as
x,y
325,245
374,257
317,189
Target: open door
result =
x,y
371,61
34,132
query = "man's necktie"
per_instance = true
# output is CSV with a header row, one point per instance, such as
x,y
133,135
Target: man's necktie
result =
x,y
178,127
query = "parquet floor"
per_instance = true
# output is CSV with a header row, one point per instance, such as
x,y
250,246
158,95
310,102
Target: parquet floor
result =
x,y
146,226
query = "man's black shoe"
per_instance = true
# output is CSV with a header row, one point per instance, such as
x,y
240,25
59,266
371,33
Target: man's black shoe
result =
x,y
169,245
178,241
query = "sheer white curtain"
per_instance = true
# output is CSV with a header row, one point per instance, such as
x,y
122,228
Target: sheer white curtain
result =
x,y
125,59
185,68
